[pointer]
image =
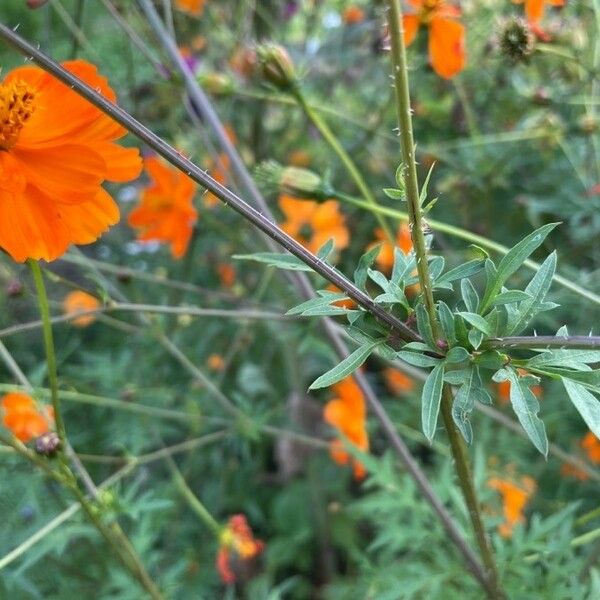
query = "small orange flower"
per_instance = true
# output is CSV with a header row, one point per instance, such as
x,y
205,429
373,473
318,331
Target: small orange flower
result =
x,y
215,362
166,212
23,417
237,542
569,470
503,389
534,9
514,498
591,445
313,224
446,35
193,7
299,158
353,15
398,382
56,150
385,258
347,413
226,274
78,302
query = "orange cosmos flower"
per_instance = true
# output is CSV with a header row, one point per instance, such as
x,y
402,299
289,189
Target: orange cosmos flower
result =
x,y
446,35
238,543
569,470
56,150
313,224
385,258
515,497
215,362
193,7
591,445
347,413
398,382
77,302
353,15
166,212
23,417
534,9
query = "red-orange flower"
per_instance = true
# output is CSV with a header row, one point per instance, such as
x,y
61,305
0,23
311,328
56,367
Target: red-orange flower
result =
x,y
398,382
23,417
237,542
226,274
77,302
56,150
591,444
385,258
166,212
193,7
353,15
313,224
534,9
347,413
515,497
446,35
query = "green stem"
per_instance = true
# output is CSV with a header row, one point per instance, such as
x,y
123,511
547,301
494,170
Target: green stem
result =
x,y
400,75
315,118
113,534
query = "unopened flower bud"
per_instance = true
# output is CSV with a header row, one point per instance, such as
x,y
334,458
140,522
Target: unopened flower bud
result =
x,y
218,84
516,40
293,181
276,66
14,288
35,3
47,444
588,124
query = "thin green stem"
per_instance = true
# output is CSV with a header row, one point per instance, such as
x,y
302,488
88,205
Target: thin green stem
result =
x,y
315,118
400,75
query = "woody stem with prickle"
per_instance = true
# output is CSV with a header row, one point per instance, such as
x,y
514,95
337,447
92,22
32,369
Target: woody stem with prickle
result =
x,y
400,77
112,534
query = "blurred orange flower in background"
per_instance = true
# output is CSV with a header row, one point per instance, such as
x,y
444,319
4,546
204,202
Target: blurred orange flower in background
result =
x,y
313,224
446,35
353,15
166,212
226,274
385,258
215,362
237,543
515,497
534,9
591,444
23,417
56,150
77,302
193,7
218,172
347,413
398,382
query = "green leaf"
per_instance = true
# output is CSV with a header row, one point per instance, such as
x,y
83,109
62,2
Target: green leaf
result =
x,y
537,289
364,263
586,403
570,359
457,354
379,279
430,401
394,193
475,338
424,326
423,194
326,297
416,359
447,322
345,368
463,405
275,259
469,295
476,321
510,297
467,269
400,176
589,379
326,249
526,407
515,257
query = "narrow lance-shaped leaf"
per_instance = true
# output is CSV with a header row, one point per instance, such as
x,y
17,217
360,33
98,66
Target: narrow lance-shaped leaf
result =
x,y
462,407
586,403
275,259
515,257
345,368
430,401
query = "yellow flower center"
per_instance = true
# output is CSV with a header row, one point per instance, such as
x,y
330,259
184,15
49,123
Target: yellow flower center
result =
x,y
16,107
430,7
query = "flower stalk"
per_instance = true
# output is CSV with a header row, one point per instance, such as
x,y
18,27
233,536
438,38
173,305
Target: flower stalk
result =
x,y
400,76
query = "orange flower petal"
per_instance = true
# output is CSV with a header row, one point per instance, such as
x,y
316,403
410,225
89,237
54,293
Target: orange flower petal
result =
x,y
410,23
446,47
